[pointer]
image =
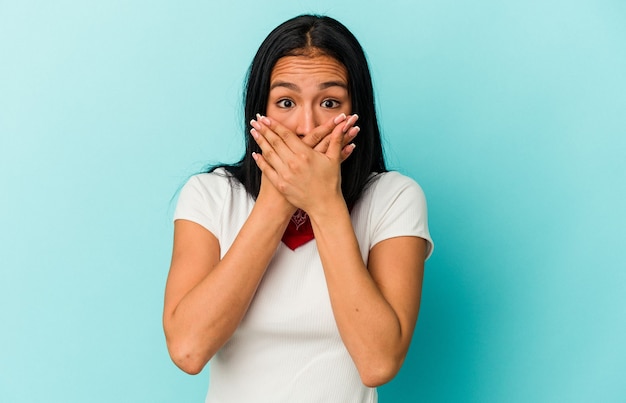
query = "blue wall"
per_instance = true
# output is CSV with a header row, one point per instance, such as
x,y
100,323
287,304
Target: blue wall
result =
x,y
511,115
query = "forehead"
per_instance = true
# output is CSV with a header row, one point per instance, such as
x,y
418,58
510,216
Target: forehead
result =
x,y
307,68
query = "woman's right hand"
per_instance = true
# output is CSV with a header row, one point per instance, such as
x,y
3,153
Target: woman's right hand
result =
x,y
204,301
318,139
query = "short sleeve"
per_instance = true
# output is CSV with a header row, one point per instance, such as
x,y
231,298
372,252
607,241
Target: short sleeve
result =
x,y
399,209
201,200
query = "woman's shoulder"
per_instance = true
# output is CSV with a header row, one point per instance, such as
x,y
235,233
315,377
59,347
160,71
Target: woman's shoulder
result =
x,y
394,190
397,206
218,180
214,177
393,181
215,185
204,196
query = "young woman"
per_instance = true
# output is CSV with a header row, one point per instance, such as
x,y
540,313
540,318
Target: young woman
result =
x,y
298,270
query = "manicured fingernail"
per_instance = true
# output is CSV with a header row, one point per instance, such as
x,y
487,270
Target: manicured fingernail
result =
x,y
258,116
339,118
254,133
255,156
255,124
265,120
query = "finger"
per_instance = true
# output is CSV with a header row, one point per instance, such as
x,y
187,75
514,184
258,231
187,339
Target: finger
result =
x,y
322,147
275,126
347,138
350,135
278,146
335,146
320,133
270,155
277,134
347,151
265,168
350,122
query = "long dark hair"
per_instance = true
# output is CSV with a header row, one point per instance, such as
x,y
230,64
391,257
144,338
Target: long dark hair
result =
x,y
312,34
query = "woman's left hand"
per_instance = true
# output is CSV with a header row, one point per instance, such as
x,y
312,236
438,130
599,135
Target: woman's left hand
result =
x,y
375,304
307,178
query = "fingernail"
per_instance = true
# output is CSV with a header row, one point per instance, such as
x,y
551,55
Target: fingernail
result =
x,y
255,124
265,120
255,156
258,116
254,133
350,122
340,118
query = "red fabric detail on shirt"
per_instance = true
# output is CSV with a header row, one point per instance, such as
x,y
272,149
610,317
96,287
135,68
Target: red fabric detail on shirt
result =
x,y
299,230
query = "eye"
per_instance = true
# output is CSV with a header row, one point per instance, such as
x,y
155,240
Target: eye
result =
x,y
330,103
285,103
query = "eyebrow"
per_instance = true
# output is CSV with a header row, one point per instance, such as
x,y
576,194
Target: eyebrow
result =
x,y
322,86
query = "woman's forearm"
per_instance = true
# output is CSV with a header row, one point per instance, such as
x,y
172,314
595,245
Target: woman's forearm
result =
x,y
208,314
367,322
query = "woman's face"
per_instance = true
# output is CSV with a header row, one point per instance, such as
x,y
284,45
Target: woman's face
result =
x,y
307,91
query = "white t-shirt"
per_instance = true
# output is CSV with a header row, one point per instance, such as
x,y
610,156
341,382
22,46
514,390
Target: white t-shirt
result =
x,y
287,348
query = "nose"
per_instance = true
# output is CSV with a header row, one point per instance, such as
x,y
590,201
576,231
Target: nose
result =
x,y
306,121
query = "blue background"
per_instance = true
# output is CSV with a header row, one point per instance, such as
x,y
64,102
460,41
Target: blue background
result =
x,y
511,115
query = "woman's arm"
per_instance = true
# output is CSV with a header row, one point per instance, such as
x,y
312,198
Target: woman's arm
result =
x,y
205,297
375,307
